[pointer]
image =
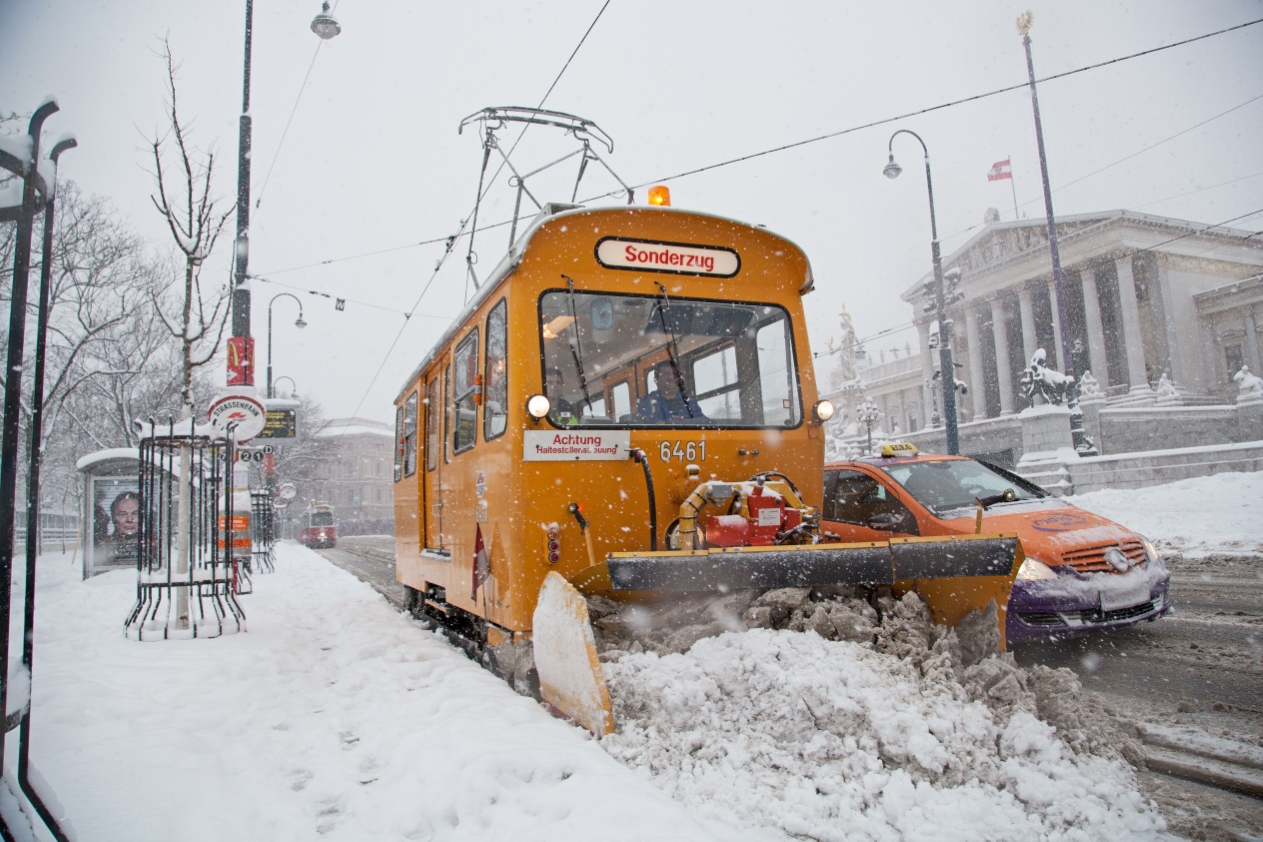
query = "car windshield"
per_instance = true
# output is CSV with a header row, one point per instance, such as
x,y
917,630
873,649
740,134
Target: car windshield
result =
x,y
656,361
949,484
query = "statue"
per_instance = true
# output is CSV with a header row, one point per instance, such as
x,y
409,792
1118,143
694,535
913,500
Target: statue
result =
x,y
1167,395
1090,389
1050,384
1250,386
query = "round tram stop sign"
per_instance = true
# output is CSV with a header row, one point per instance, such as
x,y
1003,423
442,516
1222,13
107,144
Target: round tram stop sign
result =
x,y
243,410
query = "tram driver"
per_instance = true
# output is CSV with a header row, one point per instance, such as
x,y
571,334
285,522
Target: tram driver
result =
x,y
667,402
560,410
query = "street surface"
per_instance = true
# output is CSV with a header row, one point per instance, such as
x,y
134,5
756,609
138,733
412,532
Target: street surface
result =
x,y
1199,670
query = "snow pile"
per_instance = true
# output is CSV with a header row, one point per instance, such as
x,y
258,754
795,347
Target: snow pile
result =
x,y
334,717
1216,515
889,740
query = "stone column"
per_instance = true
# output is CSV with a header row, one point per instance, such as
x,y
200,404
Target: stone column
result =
x,y
977,377
1030,340
1133,340
927,368
1251,342
1064,365
1000,330
1098,363
903,414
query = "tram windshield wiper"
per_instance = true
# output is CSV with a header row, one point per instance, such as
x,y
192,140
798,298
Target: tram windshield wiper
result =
x,y
673,347
576,349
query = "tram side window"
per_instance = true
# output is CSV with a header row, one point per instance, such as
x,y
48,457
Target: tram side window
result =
x,y
464,405
432,424
496,382
410,436
447,392
399,437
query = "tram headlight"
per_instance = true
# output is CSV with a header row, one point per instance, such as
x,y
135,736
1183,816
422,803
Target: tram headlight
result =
x,y
823,410
537,406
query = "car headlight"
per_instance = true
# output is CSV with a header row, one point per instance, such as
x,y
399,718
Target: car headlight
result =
x,y
1032,570
1151,552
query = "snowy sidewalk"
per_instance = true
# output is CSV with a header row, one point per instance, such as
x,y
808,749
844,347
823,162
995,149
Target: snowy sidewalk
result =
x,y
333,717
1221,514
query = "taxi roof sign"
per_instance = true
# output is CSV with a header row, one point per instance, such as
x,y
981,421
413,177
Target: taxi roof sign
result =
x,y
898,448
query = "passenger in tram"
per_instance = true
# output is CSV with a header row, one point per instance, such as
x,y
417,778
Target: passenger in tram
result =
x,y
667,402
560,411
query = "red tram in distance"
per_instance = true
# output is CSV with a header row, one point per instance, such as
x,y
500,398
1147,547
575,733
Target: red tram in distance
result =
x,y
319,530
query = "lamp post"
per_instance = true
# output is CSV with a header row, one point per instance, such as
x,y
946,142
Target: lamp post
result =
x,y
940,302
326,27
299,323
1059,306
868,413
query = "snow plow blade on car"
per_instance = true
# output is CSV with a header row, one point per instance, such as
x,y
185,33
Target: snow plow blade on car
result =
x,y
954,576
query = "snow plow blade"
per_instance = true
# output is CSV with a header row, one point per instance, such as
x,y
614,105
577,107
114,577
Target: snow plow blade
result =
x,y
571,681
954,575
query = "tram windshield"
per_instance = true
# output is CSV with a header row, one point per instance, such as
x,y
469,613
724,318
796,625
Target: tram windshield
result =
x,y
631,360
322,518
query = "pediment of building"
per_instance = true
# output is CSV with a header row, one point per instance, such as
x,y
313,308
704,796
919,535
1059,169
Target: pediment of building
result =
x,y
999,244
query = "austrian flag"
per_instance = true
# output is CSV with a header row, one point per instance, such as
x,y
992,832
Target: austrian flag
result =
x,y
1000,170
482,562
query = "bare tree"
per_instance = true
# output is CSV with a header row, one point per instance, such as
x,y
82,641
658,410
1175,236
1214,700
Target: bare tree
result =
x,y
184,200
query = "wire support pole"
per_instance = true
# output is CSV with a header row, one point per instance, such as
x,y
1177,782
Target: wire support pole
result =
x,y
241,289
1067,362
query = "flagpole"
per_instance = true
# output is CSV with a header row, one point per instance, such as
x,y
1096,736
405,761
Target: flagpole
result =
x,y
1013,188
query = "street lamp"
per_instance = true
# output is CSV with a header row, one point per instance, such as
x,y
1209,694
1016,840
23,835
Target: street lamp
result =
x,y
868,413
293,387
299,323
892,170
325,26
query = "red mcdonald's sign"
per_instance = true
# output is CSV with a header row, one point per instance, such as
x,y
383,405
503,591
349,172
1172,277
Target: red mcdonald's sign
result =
x,y
240,361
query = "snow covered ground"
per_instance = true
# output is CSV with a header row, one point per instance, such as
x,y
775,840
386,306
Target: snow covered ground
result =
x,y
337,717
1221,514
333,717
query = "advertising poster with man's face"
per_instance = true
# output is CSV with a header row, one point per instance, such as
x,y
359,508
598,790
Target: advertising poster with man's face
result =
x,y
115,522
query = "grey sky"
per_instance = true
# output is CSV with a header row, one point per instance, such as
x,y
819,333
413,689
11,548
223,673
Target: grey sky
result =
x,y
373,161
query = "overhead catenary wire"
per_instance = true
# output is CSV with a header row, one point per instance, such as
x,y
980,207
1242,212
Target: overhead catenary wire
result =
x,y
301,89
840,133
1125,158
384,309
933,108
451,241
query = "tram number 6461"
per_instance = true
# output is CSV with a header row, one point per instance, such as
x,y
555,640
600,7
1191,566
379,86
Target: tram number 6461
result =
x,y
690,451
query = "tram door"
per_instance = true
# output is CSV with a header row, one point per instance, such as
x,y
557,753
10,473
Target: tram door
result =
x,y
435,456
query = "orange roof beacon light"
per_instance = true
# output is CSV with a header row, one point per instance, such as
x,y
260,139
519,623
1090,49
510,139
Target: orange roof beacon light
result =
x,y
660,194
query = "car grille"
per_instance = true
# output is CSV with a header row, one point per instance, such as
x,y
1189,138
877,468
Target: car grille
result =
x,y
1092,616
1039,618
1092,559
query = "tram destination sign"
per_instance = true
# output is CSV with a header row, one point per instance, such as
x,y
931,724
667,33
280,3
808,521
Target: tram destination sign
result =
x,y
676,258
573,445
280,424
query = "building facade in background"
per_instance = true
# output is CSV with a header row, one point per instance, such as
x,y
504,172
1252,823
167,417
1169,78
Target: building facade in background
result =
x,y
355,476
1146,296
